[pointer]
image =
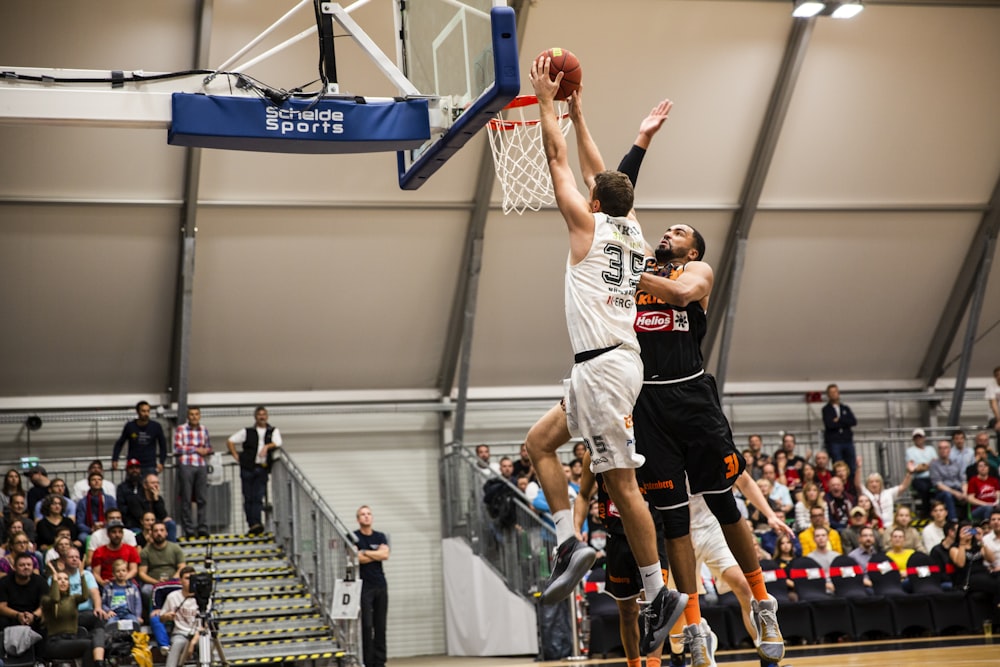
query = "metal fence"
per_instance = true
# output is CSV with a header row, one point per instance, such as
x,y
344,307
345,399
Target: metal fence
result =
x,y
319,544
517,548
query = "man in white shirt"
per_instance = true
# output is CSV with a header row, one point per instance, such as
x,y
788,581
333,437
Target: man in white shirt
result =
x,y
992,538
258,444
920,455
181,608
992,395
961,454
933,532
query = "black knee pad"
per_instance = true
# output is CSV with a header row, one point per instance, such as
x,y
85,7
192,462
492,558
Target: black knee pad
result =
x,y
676,522
723,506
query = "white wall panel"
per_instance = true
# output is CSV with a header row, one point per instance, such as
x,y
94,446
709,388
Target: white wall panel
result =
x,y
835,297
321,299
93,292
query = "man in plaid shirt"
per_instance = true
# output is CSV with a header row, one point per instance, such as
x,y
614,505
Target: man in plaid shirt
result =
x,y
191,447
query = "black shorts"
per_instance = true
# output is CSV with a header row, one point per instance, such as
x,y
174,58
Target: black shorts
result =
x,y
681,428
622,580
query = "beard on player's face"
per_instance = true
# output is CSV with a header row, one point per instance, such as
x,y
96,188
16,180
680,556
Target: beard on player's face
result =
x,y
666,254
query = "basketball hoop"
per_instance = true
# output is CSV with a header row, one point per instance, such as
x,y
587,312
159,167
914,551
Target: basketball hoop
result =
x,y
519,157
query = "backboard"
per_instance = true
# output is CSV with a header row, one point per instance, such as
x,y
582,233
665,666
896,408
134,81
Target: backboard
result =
x,y
465,53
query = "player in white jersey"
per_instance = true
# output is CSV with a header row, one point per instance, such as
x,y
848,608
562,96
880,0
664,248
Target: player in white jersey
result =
x,y
606,258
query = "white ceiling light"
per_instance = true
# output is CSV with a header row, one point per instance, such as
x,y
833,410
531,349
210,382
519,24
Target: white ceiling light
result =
x,y
807,8
848,10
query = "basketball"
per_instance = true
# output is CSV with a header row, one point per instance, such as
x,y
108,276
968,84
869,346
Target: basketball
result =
x,y
564,61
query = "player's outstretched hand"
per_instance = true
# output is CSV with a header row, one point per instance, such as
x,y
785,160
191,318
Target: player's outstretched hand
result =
x,y
652,123
545,88
575,102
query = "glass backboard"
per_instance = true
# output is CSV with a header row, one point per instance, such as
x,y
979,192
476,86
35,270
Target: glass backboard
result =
x,y
464,54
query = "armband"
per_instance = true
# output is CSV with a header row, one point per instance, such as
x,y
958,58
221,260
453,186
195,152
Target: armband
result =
x,y
631,162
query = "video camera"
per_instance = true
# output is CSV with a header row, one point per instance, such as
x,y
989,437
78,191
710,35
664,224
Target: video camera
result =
x,y
203,586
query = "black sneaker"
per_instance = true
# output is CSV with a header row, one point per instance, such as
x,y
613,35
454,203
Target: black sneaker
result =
x,y
660,616
255,529
573,560
677,659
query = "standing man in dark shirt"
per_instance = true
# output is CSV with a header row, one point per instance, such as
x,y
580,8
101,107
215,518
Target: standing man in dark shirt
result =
x,y
838,436
259,442
146,441
21,594
373,548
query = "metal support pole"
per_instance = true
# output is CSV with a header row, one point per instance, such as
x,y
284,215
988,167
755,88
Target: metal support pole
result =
x,y
975,310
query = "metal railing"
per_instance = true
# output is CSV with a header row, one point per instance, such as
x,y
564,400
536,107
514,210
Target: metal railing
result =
x,y
318,542
517,546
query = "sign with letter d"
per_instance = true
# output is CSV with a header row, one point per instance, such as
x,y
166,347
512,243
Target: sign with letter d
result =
x,y
346,599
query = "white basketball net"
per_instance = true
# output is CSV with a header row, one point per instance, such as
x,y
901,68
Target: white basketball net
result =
x,y
519,158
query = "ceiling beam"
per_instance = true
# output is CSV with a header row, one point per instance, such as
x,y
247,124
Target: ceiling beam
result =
x,y
180,352
967,282
722,308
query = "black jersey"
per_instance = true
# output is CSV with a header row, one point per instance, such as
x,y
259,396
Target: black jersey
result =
x,y
607,510
669,336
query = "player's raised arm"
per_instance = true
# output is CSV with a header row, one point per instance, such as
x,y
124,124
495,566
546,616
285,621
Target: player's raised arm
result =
x,y
572,204
591,162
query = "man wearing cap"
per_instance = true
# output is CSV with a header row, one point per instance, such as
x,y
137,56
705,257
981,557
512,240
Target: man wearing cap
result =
x,y
105,556
131,485
850,535
39,486
91,511
921,456
99,537
146,441
82,486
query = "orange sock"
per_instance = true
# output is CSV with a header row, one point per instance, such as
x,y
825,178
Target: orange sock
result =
x,y
756,581
634,662
653,661
692,612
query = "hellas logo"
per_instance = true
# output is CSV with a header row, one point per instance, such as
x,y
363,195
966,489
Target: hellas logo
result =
x,y
653,321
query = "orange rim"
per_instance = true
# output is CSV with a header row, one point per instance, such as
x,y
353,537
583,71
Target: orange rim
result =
x,y
502,125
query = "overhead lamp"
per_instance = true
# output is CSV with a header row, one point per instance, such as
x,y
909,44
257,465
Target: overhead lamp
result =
x,y
848,10
838,9
807,8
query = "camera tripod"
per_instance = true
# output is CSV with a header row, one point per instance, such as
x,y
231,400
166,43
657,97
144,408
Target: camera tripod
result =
x,y
208,638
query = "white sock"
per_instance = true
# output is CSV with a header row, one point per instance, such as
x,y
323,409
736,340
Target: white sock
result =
x,y
564,525
652,580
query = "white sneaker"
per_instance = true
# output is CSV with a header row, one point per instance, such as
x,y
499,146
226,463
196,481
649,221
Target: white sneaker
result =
x,y
701,644
764,614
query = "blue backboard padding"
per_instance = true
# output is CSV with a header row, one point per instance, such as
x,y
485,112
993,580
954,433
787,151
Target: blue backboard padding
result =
x,y
505,88
297,126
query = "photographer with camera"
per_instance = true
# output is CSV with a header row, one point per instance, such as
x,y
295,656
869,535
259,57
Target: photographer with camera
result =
x,y
971,559
183,608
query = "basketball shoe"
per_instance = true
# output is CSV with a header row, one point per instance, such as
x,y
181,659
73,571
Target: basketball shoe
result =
x,y
573,560
770,644
701,643
660,615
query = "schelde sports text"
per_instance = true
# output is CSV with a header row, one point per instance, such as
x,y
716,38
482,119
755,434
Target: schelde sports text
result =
x,y
308,121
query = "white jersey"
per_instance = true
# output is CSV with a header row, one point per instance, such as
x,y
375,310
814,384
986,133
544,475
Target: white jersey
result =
x,y
600,290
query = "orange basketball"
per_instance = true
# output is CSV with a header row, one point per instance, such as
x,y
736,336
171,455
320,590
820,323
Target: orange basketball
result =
x,y
564,61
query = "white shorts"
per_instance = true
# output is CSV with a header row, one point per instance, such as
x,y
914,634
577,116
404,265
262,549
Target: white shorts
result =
x,y
599,395
711,548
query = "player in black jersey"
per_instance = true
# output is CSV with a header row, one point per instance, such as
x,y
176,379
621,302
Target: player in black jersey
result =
x,y
621,571
680,426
